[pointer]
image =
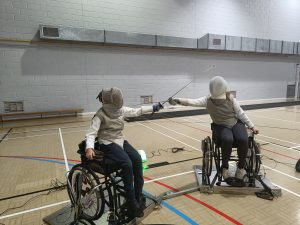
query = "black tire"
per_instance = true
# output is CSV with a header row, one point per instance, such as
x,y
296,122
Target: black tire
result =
x,y
81,184
217,156
257,150
206,160
210,156
250,161
297,167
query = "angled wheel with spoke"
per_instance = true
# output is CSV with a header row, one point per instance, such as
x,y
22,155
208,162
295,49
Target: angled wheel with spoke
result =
x,y
85,192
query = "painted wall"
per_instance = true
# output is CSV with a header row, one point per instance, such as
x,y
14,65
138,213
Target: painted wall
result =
x,y
52,77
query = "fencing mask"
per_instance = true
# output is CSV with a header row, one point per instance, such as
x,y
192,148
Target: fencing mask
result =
x,y
218,87
111,97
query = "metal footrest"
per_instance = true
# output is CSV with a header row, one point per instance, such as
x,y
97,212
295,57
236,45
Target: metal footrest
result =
x,y
224,188
65,216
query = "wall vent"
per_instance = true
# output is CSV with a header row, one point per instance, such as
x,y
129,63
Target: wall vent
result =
x,y
13,107
217,41
146,99
51,32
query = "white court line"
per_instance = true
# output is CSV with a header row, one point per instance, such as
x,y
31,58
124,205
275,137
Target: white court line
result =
x,y
272,118
277,139
175,131
258,139
259,135
64,150
28,131
186,144
169,136
266,99
291,148
195,123
287,190
166,177
35,209
278,171
280,109
298,146
41,135
199,139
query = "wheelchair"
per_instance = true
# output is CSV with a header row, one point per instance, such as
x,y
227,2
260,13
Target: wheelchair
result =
x,y
94,185
211,148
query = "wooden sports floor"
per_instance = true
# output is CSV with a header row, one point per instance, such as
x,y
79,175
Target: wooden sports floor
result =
x,y
31,159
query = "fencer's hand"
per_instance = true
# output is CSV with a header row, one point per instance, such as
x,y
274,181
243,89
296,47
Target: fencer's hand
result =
x,y
174,101
90,153
157,106
254,130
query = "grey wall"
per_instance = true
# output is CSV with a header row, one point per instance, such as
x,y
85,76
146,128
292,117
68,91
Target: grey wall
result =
x,y
270,19
47,77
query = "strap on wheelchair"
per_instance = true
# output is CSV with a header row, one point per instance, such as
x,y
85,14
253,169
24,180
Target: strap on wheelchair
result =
x,y
267,192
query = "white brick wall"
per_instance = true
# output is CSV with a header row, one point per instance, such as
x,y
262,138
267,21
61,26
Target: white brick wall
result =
x,y
59,77
276,19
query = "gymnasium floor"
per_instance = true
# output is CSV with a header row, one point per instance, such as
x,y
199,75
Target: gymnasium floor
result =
x,y
31,157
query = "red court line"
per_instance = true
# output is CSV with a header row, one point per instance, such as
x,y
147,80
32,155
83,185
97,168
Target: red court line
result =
x,y
160,183
280,154
210,132
189,126
198,201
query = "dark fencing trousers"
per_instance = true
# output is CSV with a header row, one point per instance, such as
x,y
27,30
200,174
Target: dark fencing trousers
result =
x,y
130,163
227,136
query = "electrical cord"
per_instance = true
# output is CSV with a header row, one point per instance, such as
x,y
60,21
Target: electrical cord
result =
x,y
277,162
159,151
56,184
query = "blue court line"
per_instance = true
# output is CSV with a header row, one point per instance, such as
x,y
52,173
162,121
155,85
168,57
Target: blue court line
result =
x,y
171,208
47,160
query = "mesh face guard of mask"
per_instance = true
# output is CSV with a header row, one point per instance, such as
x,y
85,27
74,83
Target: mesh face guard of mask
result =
x,y
111,96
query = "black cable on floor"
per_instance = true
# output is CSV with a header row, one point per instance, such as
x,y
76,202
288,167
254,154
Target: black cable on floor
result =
x,y
278,162
6,135
158,152
28,193
56,186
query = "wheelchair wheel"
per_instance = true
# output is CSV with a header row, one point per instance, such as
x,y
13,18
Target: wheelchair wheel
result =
x,y
253,157
206,160
257,150
85,192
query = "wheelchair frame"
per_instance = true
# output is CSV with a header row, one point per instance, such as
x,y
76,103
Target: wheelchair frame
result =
x,y
84,182
100,178
212,150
